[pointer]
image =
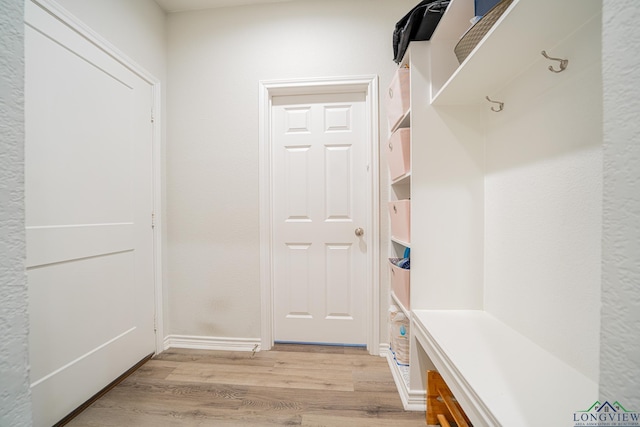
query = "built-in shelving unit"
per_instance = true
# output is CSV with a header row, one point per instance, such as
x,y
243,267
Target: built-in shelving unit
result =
x,y
512,45
471,347
506,213
401,188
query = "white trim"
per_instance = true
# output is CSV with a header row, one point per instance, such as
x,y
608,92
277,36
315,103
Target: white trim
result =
x,y
412,400
94,38
266,288
158,217
211,343
102,44
78,359
383,349
269,89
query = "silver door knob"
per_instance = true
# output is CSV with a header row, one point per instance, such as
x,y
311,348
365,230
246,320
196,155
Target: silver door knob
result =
x,y
359,231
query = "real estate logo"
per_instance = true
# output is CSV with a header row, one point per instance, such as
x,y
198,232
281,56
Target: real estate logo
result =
x,y
606,415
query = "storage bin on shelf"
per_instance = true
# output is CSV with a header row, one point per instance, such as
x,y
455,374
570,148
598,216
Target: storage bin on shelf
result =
x,y
399,153
398,97
399,335
400,283
474,35
400,214
441,403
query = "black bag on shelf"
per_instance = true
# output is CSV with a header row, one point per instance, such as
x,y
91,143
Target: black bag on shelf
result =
x,y
418,24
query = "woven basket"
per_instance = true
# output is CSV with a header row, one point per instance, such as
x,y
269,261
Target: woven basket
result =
x,y
473,36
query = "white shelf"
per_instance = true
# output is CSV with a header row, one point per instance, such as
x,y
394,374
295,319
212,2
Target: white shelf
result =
x,y
404,122
525,29
402,180
401,242
397,302
455,21
499,376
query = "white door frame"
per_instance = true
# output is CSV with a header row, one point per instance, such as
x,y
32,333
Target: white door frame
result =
x,y
99,42
358,84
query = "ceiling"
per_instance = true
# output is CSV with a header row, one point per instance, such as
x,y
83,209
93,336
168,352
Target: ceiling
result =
x,y
183,5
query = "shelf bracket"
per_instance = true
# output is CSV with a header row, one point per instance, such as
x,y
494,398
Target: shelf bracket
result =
x,y
563,63
499,103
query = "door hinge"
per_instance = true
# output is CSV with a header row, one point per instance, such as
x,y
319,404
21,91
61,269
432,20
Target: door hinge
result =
x,y
153,118
153,220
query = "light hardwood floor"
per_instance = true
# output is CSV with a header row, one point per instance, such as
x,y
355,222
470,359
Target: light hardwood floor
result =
x,y
291,385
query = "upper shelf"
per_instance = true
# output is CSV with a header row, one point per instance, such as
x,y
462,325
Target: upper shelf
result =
x,y
401,242
402,180
404,122
510,46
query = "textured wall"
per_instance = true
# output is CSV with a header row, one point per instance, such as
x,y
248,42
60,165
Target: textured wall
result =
x,y
620,328
15,398
216,59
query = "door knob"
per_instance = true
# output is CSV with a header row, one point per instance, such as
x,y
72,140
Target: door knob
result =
x,y
359,231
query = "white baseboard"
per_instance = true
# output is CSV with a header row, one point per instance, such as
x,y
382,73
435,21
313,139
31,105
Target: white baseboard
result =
x,y
384,349
211,343
412,400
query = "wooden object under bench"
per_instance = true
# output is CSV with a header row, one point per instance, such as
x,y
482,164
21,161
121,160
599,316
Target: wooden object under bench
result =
x,y
442,406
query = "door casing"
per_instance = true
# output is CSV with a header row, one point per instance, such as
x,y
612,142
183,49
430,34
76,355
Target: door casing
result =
x,y
347,84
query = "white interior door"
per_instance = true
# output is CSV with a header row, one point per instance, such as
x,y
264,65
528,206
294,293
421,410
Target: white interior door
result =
x,y
88,216
319,201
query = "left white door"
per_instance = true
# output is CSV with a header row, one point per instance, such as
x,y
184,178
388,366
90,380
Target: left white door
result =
x,y
89,202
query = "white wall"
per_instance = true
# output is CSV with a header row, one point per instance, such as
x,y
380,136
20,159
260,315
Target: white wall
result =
x,y
15,396
136,28
620,343
216,59
543,203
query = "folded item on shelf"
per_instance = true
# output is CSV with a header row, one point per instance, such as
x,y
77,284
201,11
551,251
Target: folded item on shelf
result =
x,y
404,263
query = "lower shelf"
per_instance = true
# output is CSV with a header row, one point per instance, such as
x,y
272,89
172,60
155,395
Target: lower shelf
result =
x,y
500,377
412,400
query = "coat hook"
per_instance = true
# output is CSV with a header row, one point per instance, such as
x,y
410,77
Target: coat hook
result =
x,y
563,63
500,105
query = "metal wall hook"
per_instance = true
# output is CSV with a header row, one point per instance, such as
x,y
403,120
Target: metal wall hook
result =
x,y
500,105
563,63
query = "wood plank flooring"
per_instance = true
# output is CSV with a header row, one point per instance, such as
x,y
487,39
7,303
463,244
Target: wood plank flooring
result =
x,y
291,385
